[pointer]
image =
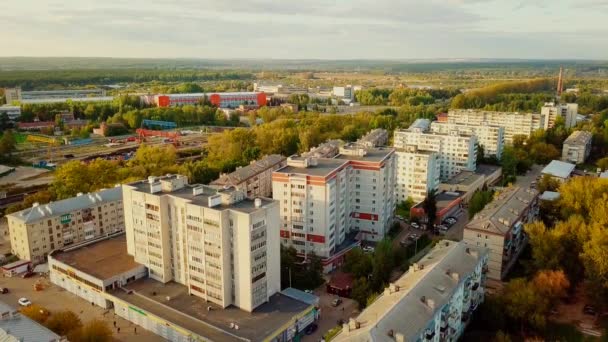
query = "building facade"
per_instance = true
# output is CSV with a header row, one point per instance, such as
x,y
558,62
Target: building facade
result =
x,y
417,173
456,152
433,301
36,231
13,112
255,179
577,147
221,100
499,227
490,137
221,245
374,138
324,201
551,111
514,123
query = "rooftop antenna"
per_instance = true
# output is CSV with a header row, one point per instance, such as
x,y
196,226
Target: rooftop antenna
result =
x,y
560,82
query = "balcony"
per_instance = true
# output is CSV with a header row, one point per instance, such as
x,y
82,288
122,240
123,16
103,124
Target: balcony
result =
x,y
429,334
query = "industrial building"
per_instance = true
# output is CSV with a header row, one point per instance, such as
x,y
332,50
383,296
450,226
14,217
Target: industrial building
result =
x,y
514,123
433,301
558,170
16,327
38,230
326,201
577,147
499,227
491,138
255,179
16,94
221,100
221,245
551,111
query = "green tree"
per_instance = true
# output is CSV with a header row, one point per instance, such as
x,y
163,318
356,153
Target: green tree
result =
x,y
430,207
358,263
63,322
93,331
7,144
602,163
548,183
478,202
525,304
383,264
361,291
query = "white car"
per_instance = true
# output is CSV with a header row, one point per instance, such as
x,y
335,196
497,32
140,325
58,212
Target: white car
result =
x,y
24,302
368,249
415,225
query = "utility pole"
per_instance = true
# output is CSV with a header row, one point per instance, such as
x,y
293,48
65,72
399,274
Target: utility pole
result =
x,y
560,82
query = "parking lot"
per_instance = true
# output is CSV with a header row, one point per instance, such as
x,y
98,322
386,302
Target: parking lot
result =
x,y
56,299
330,315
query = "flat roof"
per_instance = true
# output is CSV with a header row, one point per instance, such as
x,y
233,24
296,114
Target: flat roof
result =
x,y
103,259
73,99
324,167
579,138
373,154
22,328
245,205
190,312
486,169
404,311
550,196
465,178
558,168
68,205
253,169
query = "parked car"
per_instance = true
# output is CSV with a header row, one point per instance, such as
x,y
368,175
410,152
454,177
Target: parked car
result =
x,y
3,290
336,302
311,329
399,217
308,291
368,249
413,237
24,302
27,274
415,225
589,310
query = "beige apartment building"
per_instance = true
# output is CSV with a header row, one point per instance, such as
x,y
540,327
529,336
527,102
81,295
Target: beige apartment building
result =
x,y
38,230
514,123
374,138
499,227
577,147
551,111
417,173
255,179
223,246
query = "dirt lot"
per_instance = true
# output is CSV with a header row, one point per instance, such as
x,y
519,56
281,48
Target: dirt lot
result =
x,y
55,299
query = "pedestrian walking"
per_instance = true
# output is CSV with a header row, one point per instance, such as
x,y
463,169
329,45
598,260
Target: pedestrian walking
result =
x,y
118,329
114,324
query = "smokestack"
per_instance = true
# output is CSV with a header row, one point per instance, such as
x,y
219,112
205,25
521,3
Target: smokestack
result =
x,y
560,82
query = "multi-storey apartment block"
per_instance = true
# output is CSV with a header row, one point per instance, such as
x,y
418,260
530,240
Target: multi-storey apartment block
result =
x,y
433,301
255,179
514,123
551,111
323,200
499,227
328,149
456,152
36,231
577,147
221,245
417,173
374,138
490,137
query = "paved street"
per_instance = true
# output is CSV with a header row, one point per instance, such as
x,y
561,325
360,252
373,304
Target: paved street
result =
x,y
330,315
56,299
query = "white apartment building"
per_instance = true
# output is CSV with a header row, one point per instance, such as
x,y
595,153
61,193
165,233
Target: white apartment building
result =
x,y
514,123
347,92
499,227
255,179
222,246
551,111
324,200
417,173
492,138
13,112
36,231
456,152
577,147
433,301
374,138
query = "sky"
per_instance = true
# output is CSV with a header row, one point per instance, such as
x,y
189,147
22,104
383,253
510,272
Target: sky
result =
x,y
316,29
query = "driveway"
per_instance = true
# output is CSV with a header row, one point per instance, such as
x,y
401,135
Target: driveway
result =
x,y
330,315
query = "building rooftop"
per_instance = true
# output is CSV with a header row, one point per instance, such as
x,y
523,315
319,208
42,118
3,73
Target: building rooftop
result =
x,y
604,174
251,170
16,327
549,196
375,137
486,169
579,138
208,94
423,124
323,167
356,152
67,206
505,209
103,259
465,178
73,99
418,294
559,169
328,149
192,313
198,194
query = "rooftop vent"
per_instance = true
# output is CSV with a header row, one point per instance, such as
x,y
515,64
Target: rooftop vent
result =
x,y
258,202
